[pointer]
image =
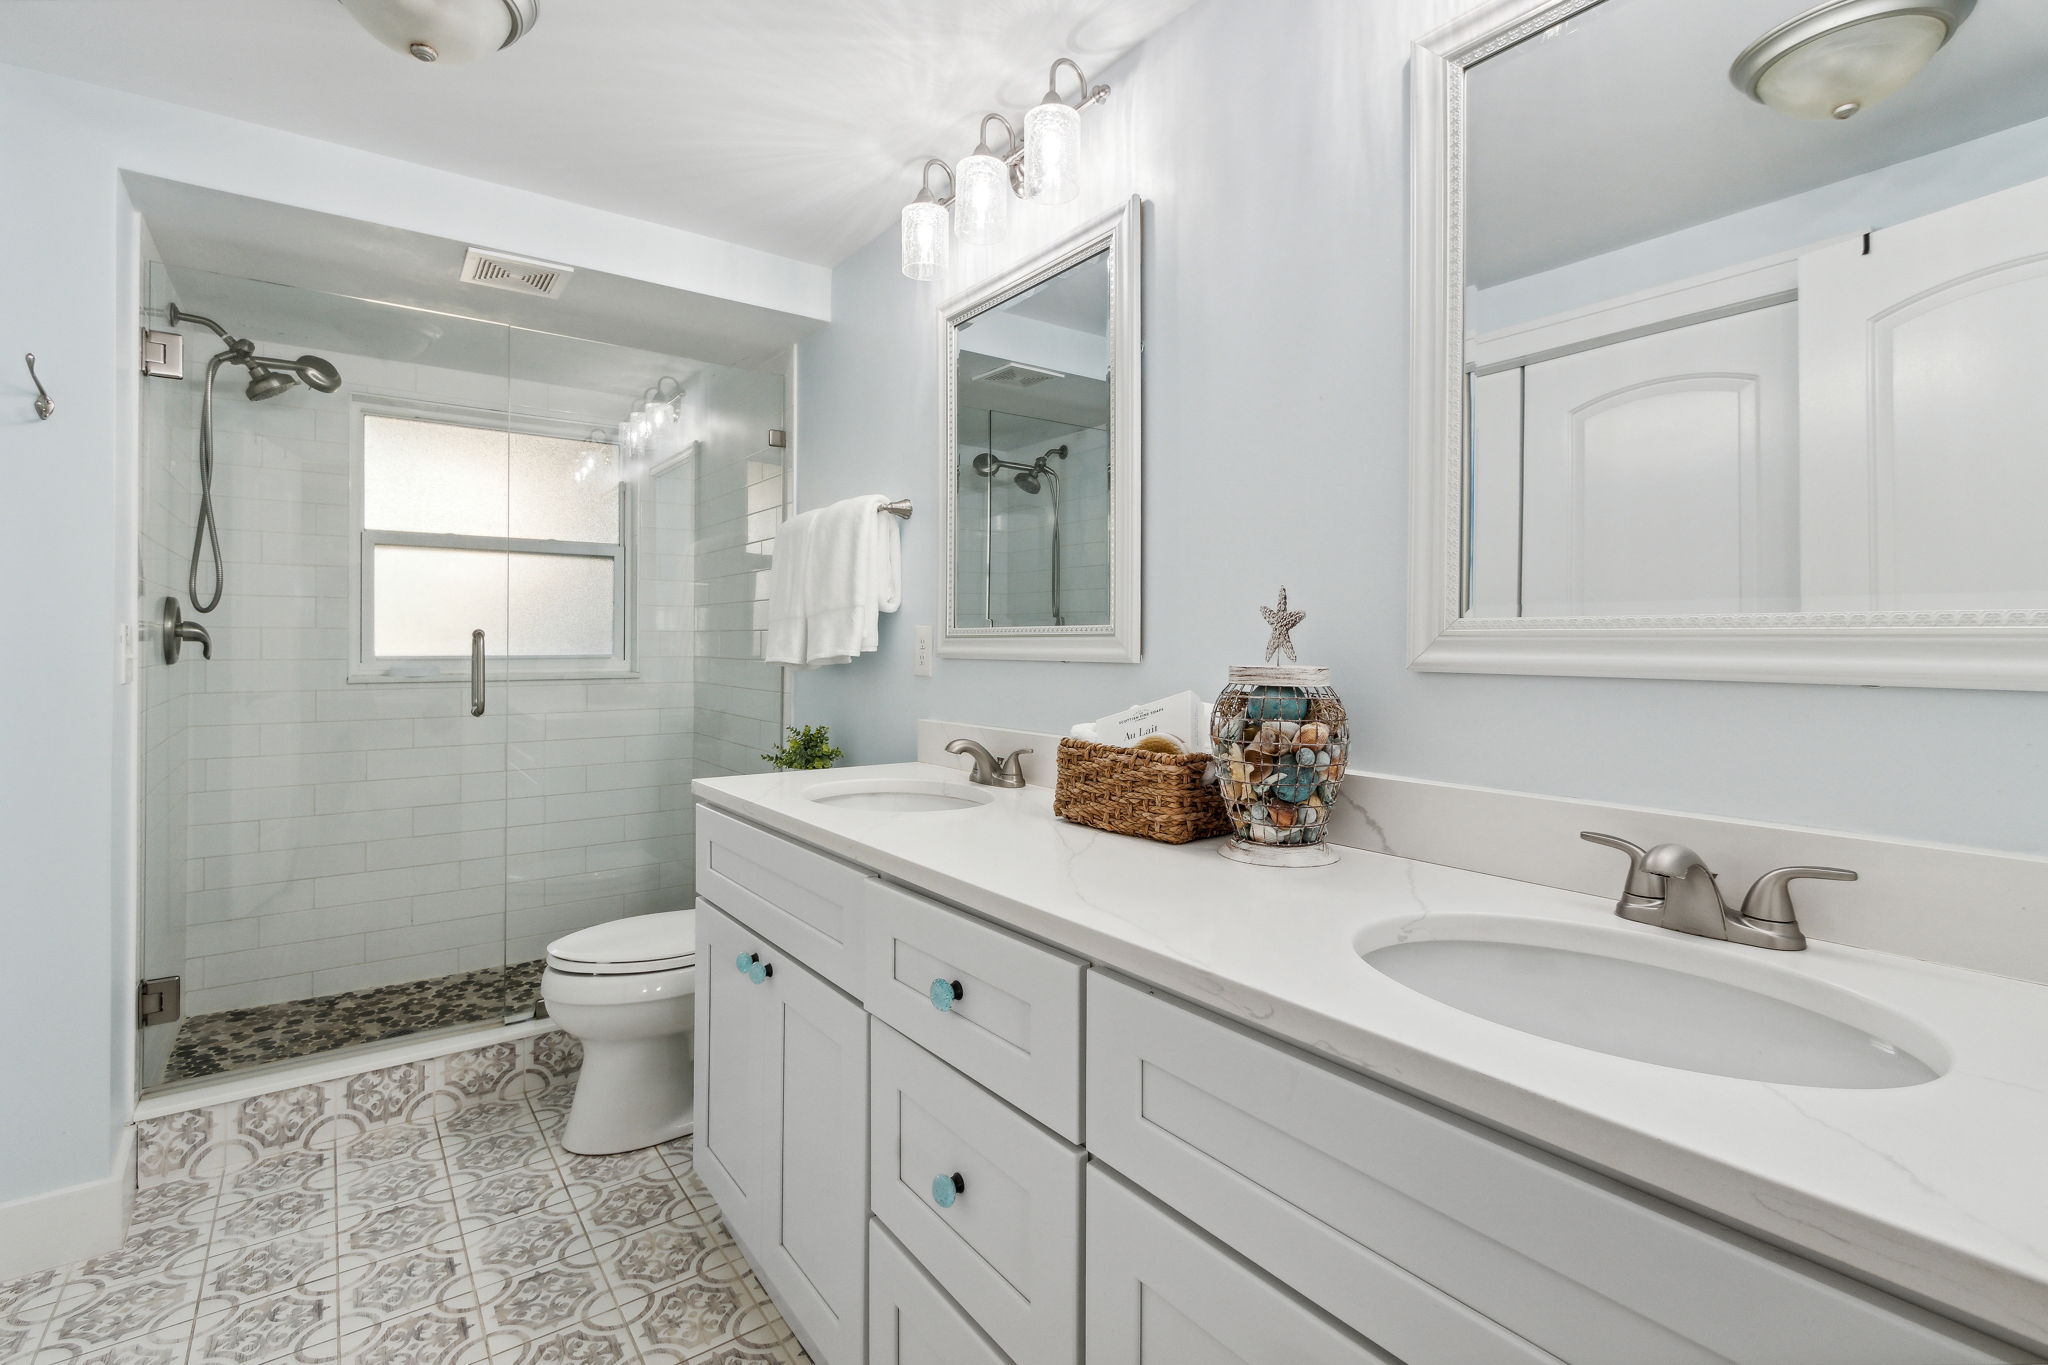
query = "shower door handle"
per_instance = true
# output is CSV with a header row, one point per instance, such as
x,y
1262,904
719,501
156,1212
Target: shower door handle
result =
x,y
476,673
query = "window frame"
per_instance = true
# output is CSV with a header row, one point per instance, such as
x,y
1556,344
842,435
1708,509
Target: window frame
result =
x,y
365,666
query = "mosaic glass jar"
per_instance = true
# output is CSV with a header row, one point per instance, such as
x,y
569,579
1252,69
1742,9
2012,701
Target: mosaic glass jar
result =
x,y
1280,737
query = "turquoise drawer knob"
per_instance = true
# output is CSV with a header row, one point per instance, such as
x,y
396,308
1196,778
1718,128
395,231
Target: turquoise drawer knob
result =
x,y
945,994
746,962
947,1188
753,968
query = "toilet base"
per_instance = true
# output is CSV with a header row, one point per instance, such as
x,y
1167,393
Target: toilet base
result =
x,y
638,1093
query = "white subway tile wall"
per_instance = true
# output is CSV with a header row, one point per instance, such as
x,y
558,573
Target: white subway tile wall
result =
x,y
306,835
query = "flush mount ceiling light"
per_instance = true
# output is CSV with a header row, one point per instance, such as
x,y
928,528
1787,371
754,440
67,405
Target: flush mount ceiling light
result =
x,y
1838,59
1044,166
448,32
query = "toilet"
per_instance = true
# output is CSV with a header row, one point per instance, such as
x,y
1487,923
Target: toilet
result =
x,y
626,990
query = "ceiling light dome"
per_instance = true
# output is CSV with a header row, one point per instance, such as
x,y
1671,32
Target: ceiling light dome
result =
x,y
447,32
1838,59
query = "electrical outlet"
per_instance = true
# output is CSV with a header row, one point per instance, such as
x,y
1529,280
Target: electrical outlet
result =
x,y
921,661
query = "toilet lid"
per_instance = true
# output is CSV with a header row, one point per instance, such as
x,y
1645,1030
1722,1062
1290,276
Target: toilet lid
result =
x,y
638,943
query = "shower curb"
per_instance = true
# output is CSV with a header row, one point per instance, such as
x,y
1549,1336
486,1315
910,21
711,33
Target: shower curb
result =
x,y
208,1141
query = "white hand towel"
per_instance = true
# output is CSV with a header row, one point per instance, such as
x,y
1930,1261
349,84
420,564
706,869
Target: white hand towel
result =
x,y
786,573
852,572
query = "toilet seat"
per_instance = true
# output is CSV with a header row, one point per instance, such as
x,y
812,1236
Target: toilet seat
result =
x,y
628,947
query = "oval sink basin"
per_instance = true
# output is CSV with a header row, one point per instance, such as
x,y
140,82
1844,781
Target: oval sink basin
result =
x,y
900,795
1650,1013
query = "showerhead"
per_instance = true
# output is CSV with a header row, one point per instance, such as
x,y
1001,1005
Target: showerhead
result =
x,y
985,464
267,383
1028,481
319,374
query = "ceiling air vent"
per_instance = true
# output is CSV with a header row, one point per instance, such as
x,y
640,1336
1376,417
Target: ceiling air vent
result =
x,y
1019,374
520,274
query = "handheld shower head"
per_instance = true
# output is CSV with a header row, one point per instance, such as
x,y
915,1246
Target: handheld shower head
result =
x,y
318,374
1028,481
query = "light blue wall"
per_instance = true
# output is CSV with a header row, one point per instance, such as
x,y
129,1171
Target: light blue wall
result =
x,y
67,555
1863,203
1270,144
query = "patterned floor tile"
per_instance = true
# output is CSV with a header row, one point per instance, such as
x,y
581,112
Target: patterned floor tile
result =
x,y
433,1337
297,1325
441,1223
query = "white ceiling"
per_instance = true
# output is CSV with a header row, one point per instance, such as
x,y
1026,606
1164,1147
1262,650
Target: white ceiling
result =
x,y
793,126
1621,124
237,237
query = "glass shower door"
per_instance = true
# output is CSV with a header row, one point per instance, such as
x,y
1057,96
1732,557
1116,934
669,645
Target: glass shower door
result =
x,y
322,820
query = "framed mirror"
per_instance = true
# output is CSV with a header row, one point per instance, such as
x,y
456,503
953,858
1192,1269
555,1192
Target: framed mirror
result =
x,y
1727,317
1042,457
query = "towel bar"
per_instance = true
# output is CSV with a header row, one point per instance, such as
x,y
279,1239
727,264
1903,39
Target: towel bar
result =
x,y
898,508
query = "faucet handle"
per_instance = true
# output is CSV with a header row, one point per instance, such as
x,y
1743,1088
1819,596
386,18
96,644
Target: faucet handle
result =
x,y
1010,764
1770,900
1640,882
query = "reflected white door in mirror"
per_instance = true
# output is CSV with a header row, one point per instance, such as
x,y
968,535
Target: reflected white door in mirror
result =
x,y
1040,475
1713,391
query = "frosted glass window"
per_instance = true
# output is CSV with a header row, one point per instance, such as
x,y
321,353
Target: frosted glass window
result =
x,y
429,599
472,481
563,490
469,528
434,476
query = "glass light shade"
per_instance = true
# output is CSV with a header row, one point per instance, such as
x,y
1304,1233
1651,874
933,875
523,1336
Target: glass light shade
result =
x,y
1844,72
924,239
1052,153
981,199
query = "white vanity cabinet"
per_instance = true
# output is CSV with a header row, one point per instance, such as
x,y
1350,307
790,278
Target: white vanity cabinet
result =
x,y
1161,1294
782,1081
985,1150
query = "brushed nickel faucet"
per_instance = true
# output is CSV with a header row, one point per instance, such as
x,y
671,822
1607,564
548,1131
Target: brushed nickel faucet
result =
x,y
989,770
1671,887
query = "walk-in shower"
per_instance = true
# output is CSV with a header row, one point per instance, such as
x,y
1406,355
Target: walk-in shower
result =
x,y
336,849
1031,478
268,377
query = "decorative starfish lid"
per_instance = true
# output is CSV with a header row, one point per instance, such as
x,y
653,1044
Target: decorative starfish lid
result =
x,y
1281,642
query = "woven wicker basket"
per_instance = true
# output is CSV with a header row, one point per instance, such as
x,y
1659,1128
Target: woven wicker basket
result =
x,y
1132,791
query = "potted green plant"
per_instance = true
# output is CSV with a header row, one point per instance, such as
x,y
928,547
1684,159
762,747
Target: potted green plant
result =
x,y
806,748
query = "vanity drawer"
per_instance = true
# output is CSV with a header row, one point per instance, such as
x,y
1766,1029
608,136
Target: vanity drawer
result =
x,y
807,902
1162,1294
910,1319
1008,1248
1016,1025
1442,1241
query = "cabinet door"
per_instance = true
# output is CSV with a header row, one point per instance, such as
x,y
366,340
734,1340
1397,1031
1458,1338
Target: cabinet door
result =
x,y
734,1075
1160,1294
910,1319
813,1256
782,1079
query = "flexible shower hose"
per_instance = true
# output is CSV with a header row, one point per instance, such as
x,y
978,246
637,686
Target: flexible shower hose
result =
x,y
206,533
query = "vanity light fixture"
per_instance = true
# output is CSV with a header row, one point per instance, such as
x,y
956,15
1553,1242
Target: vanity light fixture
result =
x,y
1839,58
1043,166
981,188
924,227
446,32
659,408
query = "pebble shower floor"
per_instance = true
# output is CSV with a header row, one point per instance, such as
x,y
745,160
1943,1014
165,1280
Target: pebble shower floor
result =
x,y
418,1215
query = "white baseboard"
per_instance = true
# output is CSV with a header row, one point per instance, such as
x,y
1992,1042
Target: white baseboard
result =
x,y
71,1224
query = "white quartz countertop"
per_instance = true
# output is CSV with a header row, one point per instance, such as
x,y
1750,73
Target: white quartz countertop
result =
x,y
1938,1190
